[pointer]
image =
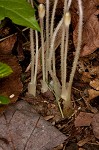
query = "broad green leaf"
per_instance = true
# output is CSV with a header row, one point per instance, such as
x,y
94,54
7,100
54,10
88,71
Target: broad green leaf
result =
x,y
20,12
5,70
4,100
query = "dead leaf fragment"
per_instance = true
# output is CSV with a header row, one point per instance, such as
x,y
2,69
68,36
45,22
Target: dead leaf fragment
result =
x,y
86,77
95,84
95,125
94,70
11,86
91,35
48,117
92,94
83,119
90,39
7,45
83,142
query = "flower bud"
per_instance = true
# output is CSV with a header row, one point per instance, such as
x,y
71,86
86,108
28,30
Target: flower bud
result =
x,y
41,10
67,19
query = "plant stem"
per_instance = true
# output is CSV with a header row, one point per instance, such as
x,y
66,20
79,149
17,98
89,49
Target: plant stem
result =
x,y
62,45
52,18
67,21
52,44
69,4
56,84
42,45
41,10
36,59
77,53
32,54
47,36
51,33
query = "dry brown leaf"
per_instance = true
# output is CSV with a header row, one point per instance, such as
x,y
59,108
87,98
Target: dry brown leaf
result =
x,y
7,45
95,125
11,85
83,119
91,35
94,70
92,94
90,41
48,117
86,77
95,84
84,141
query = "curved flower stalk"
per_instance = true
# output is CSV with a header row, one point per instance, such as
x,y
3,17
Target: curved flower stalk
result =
x,y
66,9
80,27
52,18
34,56
67,21
62,44
52,46
41,10
56,83
51,33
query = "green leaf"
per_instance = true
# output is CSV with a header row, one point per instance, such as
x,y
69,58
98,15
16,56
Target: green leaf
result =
x,y
20,12
5,70
4,100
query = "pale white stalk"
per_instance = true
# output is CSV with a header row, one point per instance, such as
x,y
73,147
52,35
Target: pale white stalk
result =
x,y
32,54
51,33
52,45
36,59
41,10
77,53
47,36
57,88
52,18
62,44
41,16
31,86
67,21
32,83
32,49
69,4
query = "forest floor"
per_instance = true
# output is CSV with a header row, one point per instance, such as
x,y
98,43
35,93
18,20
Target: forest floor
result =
x,y
82,128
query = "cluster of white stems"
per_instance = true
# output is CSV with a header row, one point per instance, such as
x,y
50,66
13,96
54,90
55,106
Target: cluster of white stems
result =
x,y
61,90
